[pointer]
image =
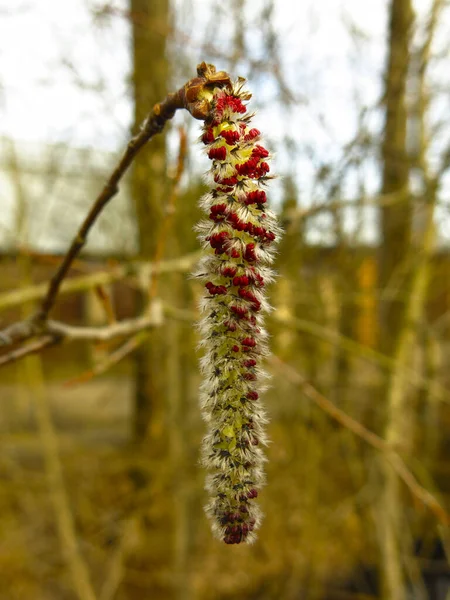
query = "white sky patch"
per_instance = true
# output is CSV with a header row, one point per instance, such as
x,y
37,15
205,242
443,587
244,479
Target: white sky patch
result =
x,y
65,79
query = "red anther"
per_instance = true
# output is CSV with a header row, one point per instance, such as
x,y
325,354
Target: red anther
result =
x,y
252,395
230,136
234,253
264,167
252,134
256,197
218,153
225,190
226,180
208,136
217,241
249,376
229,271
248,341
209,285
270,236
251,362
217,213
252,493
235,348
260,152
217,209
249,253
259,231
239,311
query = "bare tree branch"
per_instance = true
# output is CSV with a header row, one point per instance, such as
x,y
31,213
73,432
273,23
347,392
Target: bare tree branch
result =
x,y
368,436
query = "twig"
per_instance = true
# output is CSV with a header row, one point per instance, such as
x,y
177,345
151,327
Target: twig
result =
x,y
359,350
106,301
128,347
108,332
92,280
191,97
65,523
368,436
30,348
154,124
170,209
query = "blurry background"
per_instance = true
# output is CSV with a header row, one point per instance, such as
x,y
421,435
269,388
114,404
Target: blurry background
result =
x,y
100,491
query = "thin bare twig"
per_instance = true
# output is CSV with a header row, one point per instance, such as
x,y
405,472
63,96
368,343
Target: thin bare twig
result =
x,y
169,211
368,436
82,283
191,97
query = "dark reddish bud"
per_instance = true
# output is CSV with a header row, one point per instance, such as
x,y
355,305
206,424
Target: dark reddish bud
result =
x,y
235,348
251,362
218,209
250,376
252,494
270,236
226,180
208,136
234,253
239,311
248,341
249,253
229,271
252,395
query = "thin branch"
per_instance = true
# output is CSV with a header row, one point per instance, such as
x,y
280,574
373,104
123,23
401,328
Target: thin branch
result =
x,y
169,211
368,436
102,334
191,97
128,347
154,124
139,270
31,348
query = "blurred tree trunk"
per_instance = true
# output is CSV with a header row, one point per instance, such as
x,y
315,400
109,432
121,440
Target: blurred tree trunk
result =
x,y
150,24
395,217
394,254
150,78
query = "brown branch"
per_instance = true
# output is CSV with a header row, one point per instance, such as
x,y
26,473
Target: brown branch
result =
x,y
169,211
128,347
191,97
102,334
31,348
154,124
368,436
82,283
